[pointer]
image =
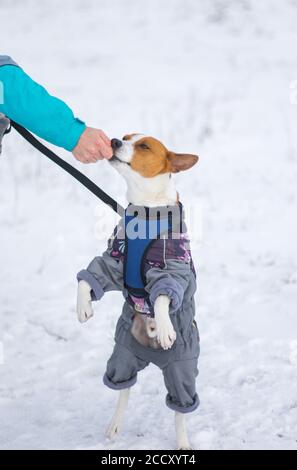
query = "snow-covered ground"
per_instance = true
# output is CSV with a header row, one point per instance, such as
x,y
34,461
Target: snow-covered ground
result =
x,y
211,77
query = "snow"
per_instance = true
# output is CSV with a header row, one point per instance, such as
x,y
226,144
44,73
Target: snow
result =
x,y
206,77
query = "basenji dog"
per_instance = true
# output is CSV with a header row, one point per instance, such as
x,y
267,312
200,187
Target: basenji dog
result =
x,y
157,322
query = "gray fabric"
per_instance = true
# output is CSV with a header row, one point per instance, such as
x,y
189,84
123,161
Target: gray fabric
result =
x,y
104,274
122,368
97,292
177,280
178,364
6,60
119,385
173,280
4,124
183,409
179,378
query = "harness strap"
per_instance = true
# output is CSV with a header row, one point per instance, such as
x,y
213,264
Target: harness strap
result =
x,y
140,233
98,192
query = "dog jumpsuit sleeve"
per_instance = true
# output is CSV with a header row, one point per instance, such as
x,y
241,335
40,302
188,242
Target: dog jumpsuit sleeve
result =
x,y
30,105
172,280
103,274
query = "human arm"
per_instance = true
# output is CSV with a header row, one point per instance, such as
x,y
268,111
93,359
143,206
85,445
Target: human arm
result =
x,y
30,105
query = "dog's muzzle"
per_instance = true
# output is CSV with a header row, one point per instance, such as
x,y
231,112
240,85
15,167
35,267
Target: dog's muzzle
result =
x,y
116,144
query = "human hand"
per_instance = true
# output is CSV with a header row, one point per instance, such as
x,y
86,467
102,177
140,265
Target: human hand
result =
x,y
92,146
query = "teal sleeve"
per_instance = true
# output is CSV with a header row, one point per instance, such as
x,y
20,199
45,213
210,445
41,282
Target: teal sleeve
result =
x,y
30,105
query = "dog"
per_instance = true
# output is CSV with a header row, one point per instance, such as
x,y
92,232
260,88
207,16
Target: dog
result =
x,y
156,274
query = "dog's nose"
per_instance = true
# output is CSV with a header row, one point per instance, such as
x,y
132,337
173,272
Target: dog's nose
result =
x,y
116,144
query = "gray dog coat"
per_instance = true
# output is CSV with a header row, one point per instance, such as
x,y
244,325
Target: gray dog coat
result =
x,y
149,255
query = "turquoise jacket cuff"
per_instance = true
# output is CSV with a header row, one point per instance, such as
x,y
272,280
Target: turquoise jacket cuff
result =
x,y
76,129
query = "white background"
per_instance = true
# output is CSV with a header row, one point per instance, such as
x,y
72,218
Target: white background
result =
x,y
207,77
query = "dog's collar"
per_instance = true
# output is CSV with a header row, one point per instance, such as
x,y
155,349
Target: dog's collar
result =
x,y
176,212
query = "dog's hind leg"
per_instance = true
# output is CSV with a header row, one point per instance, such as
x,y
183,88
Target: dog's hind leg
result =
x,y
115,425
181,432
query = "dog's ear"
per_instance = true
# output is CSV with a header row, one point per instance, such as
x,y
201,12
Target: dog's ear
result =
x,y
181,161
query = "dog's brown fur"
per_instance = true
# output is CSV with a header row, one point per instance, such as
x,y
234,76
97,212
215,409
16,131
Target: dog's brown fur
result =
x,y
140,327
152,158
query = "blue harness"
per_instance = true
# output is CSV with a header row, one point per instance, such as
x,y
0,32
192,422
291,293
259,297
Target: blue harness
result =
x,y
140,233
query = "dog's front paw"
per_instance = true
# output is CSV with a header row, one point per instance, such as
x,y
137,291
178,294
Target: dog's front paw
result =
x,y
165,331
166,334
84,302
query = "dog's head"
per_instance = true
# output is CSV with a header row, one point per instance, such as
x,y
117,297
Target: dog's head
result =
x,y
147,156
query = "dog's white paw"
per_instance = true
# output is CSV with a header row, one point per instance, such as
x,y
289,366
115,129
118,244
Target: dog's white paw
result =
x,y
165,333
113,429
84,304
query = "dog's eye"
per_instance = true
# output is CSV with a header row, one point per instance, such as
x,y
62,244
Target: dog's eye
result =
x,y
144,146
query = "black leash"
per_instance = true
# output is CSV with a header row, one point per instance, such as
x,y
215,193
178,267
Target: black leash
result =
x,y
69,168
